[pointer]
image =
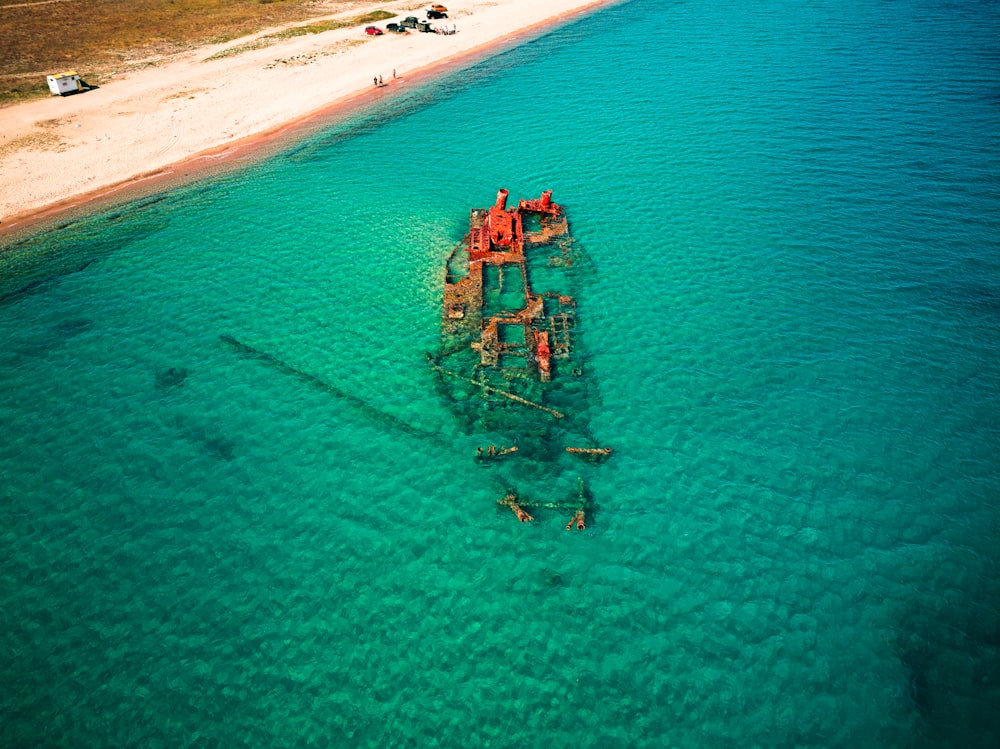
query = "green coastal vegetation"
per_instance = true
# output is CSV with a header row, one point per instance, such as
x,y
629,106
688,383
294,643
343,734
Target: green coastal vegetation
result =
x,y
98,38
302,30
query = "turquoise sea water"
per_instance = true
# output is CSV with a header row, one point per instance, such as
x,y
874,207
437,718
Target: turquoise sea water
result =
x,y
792,213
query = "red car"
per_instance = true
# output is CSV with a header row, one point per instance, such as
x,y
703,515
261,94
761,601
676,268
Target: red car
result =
x,y
373,31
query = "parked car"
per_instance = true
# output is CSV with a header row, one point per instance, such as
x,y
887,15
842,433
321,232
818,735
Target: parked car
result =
x,y
425,27
373,31
409,22
436,14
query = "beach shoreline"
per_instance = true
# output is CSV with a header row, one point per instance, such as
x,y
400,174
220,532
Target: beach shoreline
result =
x,y
194,116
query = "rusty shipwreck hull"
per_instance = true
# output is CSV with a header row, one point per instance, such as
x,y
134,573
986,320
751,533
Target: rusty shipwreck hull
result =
x,y
511,363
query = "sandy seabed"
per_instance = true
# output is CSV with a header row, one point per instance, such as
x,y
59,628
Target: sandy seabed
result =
x,y
206,107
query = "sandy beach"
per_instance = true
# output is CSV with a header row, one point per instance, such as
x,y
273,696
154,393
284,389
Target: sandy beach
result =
x,y
200,108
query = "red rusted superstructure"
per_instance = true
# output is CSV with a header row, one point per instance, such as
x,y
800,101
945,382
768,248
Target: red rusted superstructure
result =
x,y
497,238
544,355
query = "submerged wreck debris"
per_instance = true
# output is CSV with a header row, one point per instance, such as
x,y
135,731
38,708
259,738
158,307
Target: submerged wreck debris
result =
x,y
510,356
515,505
488,390
581,504
492,452
583,500
362,406
594,454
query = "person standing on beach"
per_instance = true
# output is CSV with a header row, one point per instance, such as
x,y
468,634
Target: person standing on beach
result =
x,y
380,81
376,81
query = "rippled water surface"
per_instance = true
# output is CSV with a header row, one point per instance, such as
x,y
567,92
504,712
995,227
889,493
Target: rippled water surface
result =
x,y
791,311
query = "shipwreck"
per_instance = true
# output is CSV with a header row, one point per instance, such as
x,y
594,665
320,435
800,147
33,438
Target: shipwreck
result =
x,y
511,362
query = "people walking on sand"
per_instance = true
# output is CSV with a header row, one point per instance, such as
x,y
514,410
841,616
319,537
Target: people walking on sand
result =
x,y
380,81
376,81
394,74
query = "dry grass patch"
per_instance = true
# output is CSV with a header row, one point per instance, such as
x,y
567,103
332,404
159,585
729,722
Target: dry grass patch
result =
x,y
307,59
311,28
343,46
54,122
190,94
44,141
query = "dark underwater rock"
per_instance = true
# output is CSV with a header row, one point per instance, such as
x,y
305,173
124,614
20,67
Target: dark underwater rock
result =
x,y
172,377
552,579
219,447
71,328
918,690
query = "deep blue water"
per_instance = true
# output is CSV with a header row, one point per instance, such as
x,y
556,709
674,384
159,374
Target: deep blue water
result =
x,y
792,308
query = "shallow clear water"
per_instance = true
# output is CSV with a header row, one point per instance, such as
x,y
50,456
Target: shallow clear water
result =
x,y
793,315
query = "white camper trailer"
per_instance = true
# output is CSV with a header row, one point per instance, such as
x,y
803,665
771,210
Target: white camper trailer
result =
x,y
64,83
